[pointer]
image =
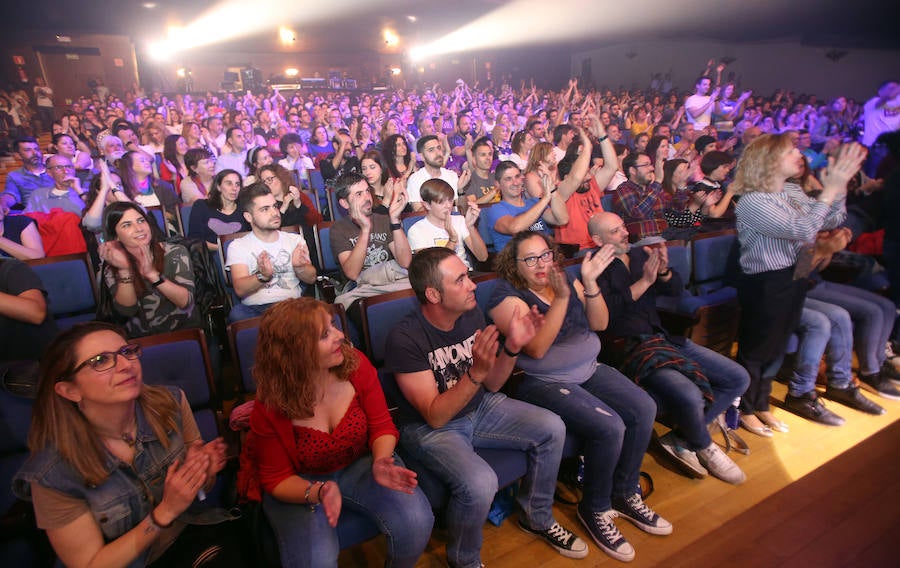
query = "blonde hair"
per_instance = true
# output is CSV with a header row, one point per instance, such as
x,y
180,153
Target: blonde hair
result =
x,y
758,163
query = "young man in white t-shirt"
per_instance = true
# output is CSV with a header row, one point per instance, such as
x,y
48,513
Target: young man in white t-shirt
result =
x,y
267,265
440,228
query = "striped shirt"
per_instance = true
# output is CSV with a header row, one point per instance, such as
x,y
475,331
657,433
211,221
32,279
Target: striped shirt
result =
x,y
773,227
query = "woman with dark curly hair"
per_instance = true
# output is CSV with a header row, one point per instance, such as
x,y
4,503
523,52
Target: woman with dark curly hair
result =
x,y
322,439
607,410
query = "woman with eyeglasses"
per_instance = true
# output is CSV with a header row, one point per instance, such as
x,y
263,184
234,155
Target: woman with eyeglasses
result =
x,y
218,214
296,207
151,282
603,407
117,466
322,441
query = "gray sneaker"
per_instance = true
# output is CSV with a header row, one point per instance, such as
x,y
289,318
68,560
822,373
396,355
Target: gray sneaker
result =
x,y
721,466
676,448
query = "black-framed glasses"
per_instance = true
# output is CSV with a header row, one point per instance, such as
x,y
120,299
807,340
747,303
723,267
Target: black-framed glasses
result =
x,y
531,261
643,165
108,359
268,180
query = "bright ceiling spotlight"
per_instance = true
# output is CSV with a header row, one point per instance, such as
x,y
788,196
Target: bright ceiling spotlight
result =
x,y
286,35
291,72
390,37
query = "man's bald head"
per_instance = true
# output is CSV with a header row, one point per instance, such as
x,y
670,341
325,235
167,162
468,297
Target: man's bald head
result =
x,y
608,228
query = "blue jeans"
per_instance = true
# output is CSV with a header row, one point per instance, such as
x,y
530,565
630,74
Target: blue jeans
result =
x,y
824,328
305,538
243,311
498,422
613,416
682,401
873,320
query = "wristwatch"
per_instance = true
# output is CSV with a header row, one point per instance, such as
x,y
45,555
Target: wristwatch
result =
x,y
263,279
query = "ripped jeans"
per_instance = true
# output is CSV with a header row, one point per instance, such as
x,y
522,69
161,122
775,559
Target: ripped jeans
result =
x,y
613,416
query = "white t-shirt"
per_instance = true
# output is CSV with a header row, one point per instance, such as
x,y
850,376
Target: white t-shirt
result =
x,y
415,181
423,234
695,103
879,120
285,284
301,164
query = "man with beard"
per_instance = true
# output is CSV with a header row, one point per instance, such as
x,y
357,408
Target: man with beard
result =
x,y
432,152
32,175
267,265
64,193
640,199
371,249
343,160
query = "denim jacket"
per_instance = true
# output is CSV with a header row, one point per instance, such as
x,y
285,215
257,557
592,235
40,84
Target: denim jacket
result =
x,y
128,494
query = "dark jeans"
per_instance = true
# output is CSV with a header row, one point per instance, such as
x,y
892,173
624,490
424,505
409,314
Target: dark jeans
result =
x,y
206,546
771,304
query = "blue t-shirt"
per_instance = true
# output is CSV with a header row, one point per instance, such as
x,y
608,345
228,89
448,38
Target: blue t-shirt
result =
x,y
572,358
502,209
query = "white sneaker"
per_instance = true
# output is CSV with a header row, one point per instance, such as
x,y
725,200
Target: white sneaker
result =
x,y
721,466
676,447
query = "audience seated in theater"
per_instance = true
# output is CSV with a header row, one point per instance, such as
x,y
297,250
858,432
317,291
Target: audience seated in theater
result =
x,y
477,180
234,152
32,175
691,384
322,440
522,143
440,228
93,415
319,143
371,248
267,265
173,168
641,201
587,199
19,236
344,159
448,367
201,169
135,169
26,326
296,156
432,152
256,158
219,213
295,205
66,192
612,415
398,156
151,282
516,211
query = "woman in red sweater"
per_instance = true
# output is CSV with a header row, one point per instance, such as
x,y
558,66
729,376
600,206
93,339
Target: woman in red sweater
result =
x,y
322,439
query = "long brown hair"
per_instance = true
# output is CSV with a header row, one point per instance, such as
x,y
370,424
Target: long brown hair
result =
x,y
287,356
111,217
540,152
759,160
57,422
506,262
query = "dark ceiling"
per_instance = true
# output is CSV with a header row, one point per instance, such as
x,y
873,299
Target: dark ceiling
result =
x,y
831,23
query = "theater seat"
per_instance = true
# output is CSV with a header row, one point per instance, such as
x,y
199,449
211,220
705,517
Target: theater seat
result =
x,y
71,288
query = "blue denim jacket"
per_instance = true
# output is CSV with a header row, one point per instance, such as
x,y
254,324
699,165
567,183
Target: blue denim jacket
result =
x,y
128,494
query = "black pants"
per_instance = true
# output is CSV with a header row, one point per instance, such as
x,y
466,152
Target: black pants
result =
x,y
771,305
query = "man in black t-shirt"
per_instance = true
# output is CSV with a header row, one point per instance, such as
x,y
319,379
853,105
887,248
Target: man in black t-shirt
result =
x,y
26,327
447,371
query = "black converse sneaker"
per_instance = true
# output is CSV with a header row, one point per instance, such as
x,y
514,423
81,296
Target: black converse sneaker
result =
x,y
633,508
603,530
563,540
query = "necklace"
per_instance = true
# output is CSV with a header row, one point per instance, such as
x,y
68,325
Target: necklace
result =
x,y
127,436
